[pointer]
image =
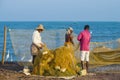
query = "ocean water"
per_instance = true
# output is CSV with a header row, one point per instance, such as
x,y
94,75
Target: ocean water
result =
x,y
101,31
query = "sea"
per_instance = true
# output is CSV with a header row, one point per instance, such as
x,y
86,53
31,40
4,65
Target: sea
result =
x,y
100,31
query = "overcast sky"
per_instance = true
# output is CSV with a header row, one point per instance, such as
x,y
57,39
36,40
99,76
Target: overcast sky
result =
x,y
59,10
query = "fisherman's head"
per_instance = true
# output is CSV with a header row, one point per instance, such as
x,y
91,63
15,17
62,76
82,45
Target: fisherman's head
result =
x,y
70,29
86,27
40,28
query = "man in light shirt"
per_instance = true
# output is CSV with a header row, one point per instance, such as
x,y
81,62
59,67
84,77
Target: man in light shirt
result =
x,y
84,39
37,43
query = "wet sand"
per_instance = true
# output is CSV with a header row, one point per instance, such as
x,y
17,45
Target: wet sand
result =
x,y
11,71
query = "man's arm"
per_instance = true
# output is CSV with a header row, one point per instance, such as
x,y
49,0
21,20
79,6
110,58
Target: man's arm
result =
x,y
71,39
79,37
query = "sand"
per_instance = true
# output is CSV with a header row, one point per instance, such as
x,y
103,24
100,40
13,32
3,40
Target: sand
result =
x,y
12,71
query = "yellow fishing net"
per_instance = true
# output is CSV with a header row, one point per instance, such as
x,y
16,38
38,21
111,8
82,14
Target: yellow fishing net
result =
x,y
105,56
105,53
58,62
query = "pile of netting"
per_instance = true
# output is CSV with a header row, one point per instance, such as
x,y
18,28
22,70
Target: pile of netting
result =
x,y
58,62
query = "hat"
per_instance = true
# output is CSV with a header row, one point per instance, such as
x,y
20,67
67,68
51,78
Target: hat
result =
x,y
40,26
70,28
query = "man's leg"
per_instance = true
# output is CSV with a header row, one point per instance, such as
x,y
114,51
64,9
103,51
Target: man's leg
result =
x,y
82,64
87,60
34,56
87,66
82,59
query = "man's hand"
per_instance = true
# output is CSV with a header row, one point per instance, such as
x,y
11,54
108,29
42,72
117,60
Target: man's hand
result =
x,y
42,44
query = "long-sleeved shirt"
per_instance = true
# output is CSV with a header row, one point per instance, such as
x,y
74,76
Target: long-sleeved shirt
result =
x,y
84,38
36,38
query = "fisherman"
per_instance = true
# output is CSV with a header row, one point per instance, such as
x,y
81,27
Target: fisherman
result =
x,y
84,39
69,36
37,43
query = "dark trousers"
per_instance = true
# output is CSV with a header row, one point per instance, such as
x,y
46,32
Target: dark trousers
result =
x,y
34,56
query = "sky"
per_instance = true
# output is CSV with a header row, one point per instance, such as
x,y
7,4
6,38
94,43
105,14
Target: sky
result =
x,y
59,10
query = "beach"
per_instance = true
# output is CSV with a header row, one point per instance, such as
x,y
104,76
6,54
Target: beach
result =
x,y
104,41
12,71
36,37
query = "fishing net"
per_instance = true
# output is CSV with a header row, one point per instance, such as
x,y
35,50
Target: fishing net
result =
x,y
58,58
57,62
105,53
22,39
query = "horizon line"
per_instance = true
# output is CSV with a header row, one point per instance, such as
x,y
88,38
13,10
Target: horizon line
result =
x,y
55,21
